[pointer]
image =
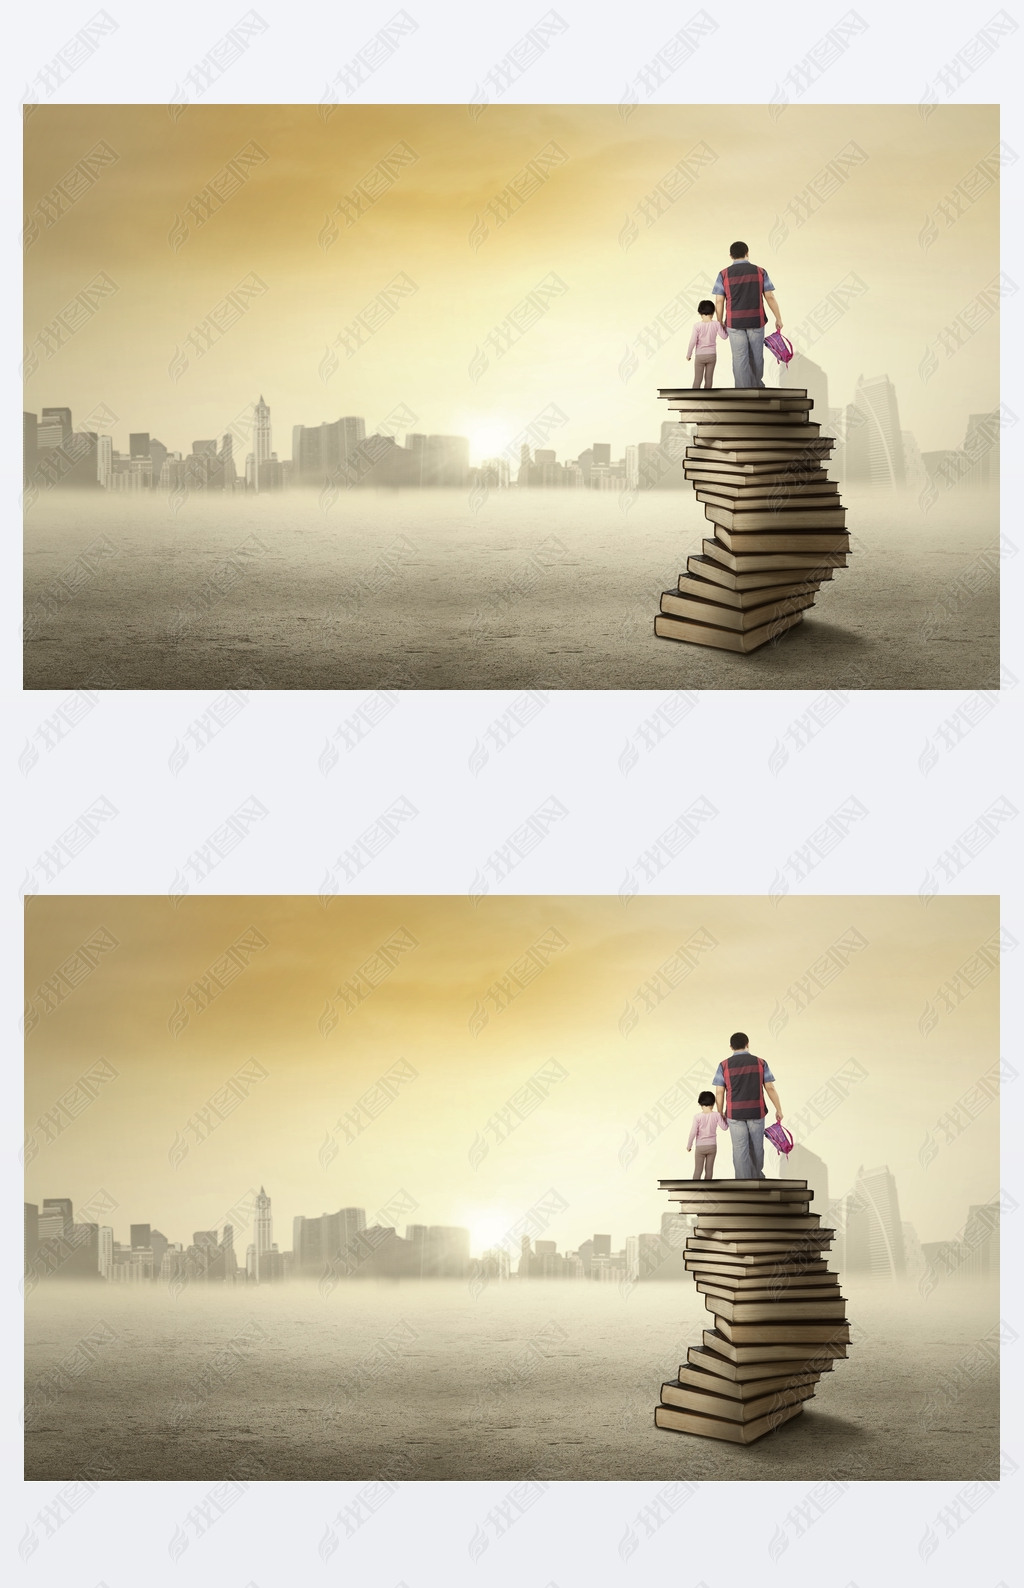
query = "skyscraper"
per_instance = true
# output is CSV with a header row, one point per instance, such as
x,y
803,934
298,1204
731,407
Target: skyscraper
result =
x,y
157,458
319,1242
320,453
441,1251
263,1224
84,1261
649,464
81,468
158,1244
57,424
912,1252
981,1241
874,1229
59,1207
981,449
226,459
874,450
50,1226
260,447
913,465
441,460
674,1230
105,461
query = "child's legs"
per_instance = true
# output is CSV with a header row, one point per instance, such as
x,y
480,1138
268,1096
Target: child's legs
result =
x,y
703,368
704,1161
710,361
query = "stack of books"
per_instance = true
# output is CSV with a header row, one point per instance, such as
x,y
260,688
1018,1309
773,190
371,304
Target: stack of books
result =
x,y
778,526
759,1259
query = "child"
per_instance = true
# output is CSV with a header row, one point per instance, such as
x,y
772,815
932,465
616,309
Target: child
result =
x,y
704,340
704,1129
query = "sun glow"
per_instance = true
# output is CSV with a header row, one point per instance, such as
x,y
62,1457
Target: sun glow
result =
x,y
487,1227
488,438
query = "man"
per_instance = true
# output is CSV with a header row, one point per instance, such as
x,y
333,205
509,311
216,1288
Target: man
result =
x,y
738,293
740,1083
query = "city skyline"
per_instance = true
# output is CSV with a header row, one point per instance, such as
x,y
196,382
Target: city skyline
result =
x,y
480,272
478,1053
869,1238
871,448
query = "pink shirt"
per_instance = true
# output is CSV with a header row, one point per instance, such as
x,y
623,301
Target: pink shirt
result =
x,y
704,337
705,1126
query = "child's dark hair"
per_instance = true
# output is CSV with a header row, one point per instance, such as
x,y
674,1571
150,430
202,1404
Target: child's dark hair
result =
x,y
705,306
706,1099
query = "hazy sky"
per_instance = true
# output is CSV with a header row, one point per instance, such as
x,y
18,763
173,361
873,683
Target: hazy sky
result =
x,y
907,1059
600,169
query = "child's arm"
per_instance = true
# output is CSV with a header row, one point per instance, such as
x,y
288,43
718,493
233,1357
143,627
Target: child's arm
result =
x,y
693,1132
693,342
721,329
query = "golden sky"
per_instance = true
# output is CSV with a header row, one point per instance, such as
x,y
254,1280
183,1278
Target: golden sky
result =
x,y
577,1015
746,171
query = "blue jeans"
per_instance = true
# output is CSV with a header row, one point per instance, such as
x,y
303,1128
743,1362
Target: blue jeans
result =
x,y
747,348
747,1137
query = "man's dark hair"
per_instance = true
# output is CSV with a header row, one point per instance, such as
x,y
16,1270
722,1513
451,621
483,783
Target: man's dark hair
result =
x,y
705,306
738,251
706,1099
739,1039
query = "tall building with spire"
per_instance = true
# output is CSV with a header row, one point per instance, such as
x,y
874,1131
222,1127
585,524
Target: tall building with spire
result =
x,y
260,440
262,1229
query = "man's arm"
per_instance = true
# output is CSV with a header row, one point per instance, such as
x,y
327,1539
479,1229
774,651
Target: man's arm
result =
x,y
769,298
720,1096
720,306
769,1087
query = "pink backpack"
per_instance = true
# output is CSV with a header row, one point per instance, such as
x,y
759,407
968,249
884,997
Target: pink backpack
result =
x,y
780,1139
778,345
